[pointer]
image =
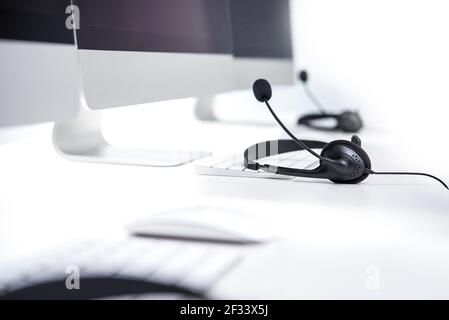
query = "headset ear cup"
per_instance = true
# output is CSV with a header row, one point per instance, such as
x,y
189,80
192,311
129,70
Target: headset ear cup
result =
x,y
350,122
333,151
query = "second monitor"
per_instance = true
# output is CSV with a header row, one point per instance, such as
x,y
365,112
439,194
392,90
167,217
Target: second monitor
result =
x,y
261,41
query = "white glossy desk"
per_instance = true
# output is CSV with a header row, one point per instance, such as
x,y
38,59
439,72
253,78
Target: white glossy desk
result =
x,y
336,231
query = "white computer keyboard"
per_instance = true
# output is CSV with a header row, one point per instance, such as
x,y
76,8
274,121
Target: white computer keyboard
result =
x,y
232,165
190,265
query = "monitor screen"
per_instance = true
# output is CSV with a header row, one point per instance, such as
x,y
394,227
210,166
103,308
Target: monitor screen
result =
x,y
261,28
185,26
31,20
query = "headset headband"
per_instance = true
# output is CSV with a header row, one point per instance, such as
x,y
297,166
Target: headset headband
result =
x,y
308,120
348,121
276,147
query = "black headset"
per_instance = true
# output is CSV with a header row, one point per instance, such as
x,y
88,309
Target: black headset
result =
x,y
341,161
348,121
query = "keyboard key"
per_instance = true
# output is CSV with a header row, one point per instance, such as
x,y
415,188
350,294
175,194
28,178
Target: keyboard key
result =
x,y
178,268
145,265
209,271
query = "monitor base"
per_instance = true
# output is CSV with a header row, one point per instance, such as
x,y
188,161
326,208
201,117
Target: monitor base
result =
x,y
204,109
81,139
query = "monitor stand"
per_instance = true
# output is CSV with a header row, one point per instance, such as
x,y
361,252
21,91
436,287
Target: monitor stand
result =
x,y
81,139
204,109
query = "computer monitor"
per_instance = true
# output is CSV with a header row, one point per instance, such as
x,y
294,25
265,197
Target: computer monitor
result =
x,y
138,51
39,78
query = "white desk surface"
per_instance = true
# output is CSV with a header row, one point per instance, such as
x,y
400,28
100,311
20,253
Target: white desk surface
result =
x,y
46,200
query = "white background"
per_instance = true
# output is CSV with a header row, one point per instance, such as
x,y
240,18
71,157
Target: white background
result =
x,y
389,58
